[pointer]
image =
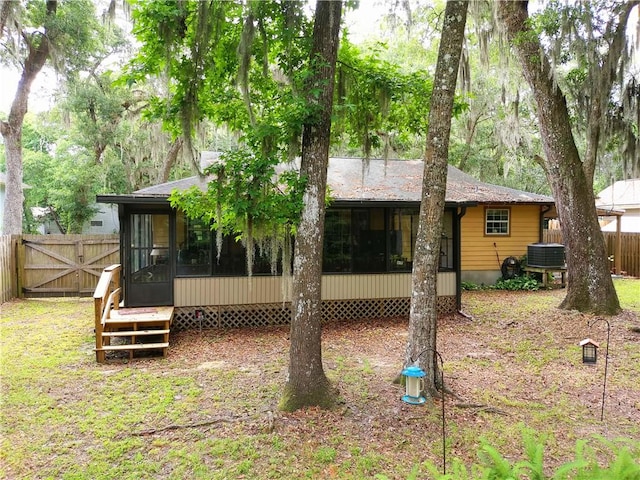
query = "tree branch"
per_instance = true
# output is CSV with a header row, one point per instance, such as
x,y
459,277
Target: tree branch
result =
x,y
36,59
480,407
205,423
6,11
605,74
170,160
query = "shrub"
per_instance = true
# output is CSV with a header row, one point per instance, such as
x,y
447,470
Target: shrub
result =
x,y
523,282
470,286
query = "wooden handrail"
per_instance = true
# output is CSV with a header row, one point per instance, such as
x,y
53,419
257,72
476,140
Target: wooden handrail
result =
x,y
114,299
109,274
107,289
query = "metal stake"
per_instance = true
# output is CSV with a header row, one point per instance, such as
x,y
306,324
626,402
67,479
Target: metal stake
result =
x,y
606,361
444,434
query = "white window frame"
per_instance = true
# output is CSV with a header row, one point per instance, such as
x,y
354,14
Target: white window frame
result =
x,y
498,224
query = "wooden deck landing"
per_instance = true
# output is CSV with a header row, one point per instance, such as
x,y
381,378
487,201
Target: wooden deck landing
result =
x,y
144,315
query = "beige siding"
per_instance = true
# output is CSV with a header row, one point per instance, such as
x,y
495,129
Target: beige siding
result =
x,y
226,291
350,287
447,284
242,291
478,251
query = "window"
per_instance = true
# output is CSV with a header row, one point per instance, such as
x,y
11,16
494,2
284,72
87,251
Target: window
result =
x,y
369,240
233,259
356,240
337,241
377,240
197,254
446,242
193,246
404,230
496,221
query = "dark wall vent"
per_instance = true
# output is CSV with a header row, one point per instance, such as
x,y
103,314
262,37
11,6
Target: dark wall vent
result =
x,y
545,255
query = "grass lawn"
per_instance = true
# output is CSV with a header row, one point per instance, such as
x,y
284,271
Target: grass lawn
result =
x,y
209,410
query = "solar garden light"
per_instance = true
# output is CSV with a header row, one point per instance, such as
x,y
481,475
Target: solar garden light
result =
x,y
590,356
414,385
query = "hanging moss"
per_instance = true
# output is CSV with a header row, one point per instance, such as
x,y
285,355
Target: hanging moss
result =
x,y
248,200
377,101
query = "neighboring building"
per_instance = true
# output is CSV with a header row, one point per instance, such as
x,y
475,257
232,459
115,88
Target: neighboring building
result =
x,y
623,195
370,231
104,222
45,220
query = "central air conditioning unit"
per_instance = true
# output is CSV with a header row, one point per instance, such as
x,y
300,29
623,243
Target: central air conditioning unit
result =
x,y
545,255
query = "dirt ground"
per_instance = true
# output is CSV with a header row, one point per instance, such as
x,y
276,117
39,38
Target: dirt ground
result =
x,y
515,361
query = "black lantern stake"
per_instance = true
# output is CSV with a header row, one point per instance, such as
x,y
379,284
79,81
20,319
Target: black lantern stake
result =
x,y
444,437
590,355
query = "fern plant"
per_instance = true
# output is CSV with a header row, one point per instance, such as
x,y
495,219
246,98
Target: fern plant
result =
x,y
625,463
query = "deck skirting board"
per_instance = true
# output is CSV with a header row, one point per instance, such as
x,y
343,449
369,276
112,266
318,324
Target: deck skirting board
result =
x,y
271,314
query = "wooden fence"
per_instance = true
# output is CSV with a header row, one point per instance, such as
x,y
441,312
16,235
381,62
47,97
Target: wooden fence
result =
x,y
8,286
54,265
629,251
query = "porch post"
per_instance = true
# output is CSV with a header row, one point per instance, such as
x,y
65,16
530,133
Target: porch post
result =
x,y
618,246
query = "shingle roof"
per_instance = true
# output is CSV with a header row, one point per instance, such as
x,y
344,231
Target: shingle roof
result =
x,y
165,189
401,180
622,194
396,180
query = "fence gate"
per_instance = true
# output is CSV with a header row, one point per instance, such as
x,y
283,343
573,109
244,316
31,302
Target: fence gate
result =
x,y
60,265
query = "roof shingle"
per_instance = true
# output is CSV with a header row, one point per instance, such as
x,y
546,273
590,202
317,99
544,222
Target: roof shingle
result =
x,y
394,180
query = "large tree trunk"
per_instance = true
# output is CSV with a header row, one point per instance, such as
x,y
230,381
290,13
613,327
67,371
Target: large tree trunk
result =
x,y
590,287
12,221
11,129
421,346
307,384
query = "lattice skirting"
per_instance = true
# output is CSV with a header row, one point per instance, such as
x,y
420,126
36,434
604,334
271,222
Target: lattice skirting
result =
x,y
260,315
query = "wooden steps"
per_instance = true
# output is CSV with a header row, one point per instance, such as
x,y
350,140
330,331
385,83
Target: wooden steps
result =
x,y
136,327
133,327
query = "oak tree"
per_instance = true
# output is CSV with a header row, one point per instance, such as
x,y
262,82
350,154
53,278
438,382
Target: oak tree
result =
x,y
421,345
590,287
257,69
307,384
33,33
